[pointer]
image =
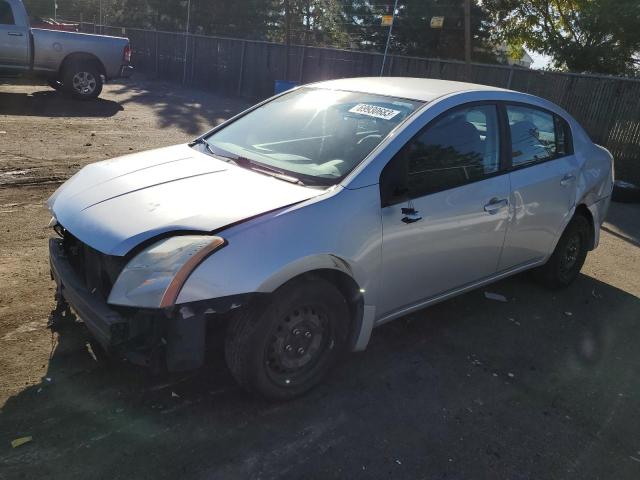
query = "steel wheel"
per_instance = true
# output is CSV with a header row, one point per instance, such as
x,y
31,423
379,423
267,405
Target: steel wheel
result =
x,y
570,255
567,259
285,347
298,344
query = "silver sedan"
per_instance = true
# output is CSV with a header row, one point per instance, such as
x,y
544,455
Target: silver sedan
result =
x,y
319,214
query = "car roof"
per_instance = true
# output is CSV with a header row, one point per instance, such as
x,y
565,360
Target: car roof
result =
x,y
423,89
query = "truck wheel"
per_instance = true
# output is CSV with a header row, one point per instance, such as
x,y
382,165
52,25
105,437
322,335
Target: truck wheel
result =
x,y
567,259
287,348
83,81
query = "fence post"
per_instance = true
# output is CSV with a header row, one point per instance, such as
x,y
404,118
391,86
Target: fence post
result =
x,y
301,72
244,48
193,59
186,53
510,76
157,55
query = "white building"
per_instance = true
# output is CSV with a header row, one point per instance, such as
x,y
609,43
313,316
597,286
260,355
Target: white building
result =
x,y
503,53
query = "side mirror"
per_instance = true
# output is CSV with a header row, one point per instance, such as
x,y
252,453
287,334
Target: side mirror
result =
x,y
393,183
401,193
393,194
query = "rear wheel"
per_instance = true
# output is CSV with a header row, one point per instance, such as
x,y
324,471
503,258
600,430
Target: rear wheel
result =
x,y
567,259
83,81
287,348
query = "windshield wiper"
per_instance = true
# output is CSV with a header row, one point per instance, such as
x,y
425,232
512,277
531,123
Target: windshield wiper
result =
x,y
274,173
249,164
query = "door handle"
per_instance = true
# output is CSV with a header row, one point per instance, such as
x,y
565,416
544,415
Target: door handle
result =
x,y
411,215
495,205
15,34
567,179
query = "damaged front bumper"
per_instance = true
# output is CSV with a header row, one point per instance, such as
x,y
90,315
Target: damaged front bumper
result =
x,y
107,326
176,336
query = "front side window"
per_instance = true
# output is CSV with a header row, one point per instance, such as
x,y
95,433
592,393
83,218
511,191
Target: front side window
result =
x,y
533,135
6,15
458,148
315,135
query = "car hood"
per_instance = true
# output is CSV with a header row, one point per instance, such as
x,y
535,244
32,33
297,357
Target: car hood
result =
x,y
116,204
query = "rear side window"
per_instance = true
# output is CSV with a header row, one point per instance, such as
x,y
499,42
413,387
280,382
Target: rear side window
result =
x,y
6,14
536,135
563,137
461,147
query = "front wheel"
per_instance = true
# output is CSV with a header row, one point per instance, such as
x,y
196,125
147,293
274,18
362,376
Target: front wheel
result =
x,y
287,348
83,81
567,259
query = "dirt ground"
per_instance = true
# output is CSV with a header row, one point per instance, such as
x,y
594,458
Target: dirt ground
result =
x,y
546,385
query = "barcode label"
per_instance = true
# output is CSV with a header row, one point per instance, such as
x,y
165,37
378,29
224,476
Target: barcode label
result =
x,y
374,111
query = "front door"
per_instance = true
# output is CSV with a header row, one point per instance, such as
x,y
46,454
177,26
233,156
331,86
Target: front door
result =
x,y
14,40
445,207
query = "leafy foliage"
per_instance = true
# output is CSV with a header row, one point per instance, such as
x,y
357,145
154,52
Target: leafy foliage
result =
x,y
412,32
353,24
599,36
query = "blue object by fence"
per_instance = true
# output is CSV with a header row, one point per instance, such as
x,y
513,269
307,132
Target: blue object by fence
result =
x,y
284,85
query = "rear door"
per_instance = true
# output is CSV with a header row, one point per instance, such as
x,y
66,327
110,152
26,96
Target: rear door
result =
x,y
14,40
444,208
543,183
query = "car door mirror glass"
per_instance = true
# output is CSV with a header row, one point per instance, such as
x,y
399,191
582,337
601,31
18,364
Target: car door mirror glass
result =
x,y
400,193
393,181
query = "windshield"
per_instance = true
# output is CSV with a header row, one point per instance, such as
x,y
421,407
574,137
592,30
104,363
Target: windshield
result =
x,y
315,135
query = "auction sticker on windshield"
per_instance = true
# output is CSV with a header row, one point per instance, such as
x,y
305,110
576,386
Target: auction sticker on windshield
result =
x,y
374,111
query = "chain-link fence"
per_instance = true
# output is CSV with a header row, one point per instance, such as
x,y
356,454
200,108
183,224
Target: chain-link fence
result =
x,y
607,107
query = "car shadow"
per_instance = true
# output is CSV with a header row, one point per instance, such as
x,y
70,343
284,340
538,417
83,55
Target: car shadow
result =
x,y
50,103
540,386
622,222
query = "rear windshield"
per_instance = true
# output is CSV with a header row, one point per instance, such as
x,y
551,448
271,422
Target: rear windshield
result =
x,y
315,135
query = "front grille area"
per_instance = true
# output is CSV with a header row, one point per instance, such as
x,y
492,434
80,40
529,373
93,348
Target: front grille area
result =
x,y
96,270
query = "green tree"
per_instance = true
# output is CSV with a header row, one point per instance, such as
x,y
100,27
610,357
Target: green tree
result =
x,y
241,18
597,36
310,22
67,9
412,32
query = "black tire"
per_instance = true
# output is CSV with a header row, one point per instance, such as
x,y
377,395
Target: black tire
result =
x,y
82,80
55,84
285,348
567,259
625,192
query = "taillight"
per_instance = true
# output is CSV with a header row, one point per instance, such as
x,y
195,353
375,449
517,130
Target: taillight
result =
x,y
126,55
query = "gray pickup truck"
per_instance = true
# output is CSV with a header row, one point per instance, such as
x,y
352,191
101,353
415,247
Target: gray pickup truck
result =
x,y
77,63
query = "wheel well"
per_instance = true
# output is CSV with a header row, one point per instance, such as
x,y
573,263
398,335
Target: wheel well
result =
x,y
583,210
88,58
349,289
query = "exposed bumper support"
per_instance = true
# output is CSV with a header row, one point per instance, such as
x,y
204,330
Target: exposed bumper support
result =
x,y
107,326
180,334
186,340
